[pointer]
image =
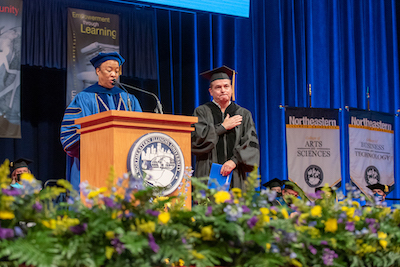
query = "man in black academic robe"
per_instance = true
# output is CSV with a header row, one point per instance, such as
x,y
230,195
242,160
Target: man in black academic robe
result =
x,y
225,132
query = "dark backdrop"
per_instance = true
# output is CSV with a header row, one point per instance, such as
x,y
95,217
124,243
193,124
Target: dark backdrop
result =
x,y
339,47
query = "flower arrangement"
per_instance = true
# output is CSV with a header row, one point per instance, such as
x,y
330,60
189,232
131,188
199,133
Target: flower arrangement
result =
x,y
126,224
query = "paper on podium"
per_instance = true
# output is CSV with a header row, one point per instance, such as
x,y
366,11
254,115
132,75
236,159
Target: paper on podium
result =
x,y
217,181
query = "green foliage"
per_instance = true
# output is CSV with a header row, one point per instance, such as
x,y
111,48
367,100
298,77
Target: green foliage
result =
x,y
126,224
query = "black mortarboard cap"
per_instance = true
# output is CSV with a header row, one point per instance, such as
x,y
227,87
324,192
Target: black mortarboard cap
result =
x,y
223,72
382,187
274,183
19,163
102,57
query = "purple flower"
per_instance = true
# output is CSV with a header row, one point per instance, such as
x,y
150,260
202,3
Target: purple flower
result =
x,y
11,192
350,226
372,229
78,229
18,231
183,240
109,202
245,209
203,193
153,212
152,244
312,249
37,206
323,242
369,220
209,211
6,233
312,224
340,220
118,245
252,222
329,256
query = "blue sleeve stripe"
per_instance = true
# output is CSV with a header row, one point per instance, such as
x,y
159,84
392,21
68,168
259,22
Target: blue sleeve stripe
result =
x,y
68,122
73,111
70,141
67,133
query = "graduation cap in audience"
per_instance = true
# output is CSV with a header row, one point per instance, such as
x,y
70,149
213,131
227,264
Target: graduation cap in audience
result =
x,y
223,72
19,163
274,183
102,57
382,187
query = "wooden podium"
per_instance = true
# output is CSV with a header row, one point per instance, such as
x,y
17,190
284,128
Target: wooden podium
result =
x,y
107,137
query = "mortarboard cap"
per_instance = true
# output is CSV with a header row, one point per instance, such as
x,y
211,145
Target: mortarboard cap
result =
x,y
274,183
221,73
382,187
19,163
102,57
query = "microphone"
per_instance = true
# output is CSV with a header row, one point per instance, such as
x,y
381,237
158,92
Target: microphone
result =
x,y
127,94
159,106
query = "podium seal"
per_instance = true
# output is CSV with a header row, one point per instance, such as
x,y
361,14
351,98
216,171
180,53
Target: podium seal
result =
x,y
158,160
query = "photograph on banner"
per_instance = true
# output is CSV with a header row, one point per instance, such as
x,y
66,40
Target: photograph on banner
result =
x,y
371,148
89,33
10,68
313,147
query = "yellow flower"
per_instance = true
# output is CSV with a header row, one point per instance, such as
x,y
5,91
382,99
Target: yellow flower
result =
x,y
237,192
222,196
181,262
207,233
264,211
51,224
273,211
193,219
197,255
93,194
265,218
109,252
156,200
316,211
268,246
355,203
110,234
356,218
382,235
145,227
164,217
6,215
296,263
285,213
102,190
331,225
64,183
27,177
383,243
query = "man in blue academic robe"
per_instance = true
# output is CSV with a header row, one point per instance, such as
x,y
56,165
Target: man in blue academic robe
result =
x,y
102,96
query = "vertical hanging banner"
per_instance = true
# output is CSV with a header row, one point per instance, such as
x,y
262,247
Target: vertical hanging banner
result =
x,y
313,147
371,147
10,68
89,33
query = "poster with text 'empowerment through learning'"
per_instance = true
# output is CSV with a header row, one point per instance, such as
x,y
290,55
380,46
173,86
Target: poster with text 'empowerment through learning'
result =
x,y
313,147
10,68
371,148
89,33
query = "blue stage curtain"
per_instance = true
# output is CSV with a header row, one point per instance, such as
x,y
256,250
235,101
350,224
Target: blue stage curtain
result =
x,y
45,34
340,48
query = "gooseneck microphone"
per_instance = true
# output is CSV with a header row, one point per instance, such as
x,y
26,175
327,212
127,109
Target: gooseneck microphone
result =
x,y
159,106
127,94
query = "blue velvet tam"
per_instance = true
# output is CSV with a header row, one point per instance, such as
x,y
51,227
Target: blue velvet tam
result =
x,y
102,57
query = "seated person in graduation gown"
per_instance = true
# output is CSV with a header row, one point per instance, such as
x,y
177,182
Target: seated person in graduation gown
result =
x,y
225,133
379,191
18,167
275,185
102,96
